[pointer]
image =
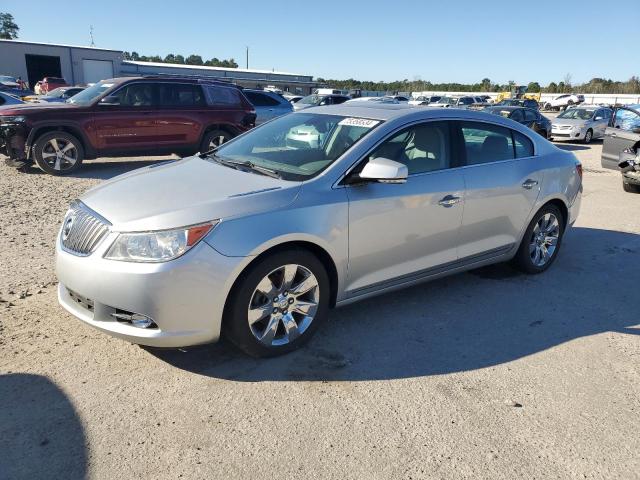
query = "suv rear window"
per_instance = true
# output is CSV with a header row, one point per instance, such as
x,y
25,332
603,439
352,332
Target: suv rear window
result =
x,y
224,96
261,99
181,94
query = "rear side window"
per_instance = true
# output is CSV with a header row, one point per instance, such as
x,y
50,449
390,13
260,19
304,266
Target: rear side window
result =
x,y
524,146
338,100
223,96
530,116
517,116
180,95
261,99
485,143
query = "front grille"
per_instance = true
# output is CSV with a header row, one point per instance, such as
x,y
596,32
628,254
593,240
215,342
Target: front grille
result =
x,y
82,230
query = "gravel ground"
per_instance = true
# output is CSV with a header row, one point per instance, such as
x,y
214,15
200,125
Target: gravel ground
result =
x,y
488,374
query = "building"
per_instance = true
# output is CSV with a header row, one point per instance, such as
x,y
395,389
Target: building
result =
x,y
78,65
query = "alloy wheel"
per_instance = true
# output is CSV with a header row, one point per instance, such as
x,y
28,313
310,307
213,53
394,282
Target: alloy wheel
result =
x,y
60,154
283,305
544,239
217,141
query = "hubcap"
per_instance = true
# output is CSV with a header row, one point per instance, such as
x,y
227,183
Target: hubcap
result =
x,y
60,154
283,305
544,239
216,142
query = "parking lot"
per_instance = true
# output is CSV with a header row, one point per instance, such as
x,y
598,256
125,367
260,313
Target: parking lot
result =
x,y
487,374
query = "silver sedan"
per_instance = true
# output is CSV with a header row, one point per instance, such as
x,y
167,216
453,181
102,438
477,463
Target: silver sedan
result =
x,y
310,211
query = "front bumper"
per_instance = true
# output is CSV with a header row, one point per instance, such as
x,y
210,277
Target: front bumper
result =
x,y
13,138
559,134
185,297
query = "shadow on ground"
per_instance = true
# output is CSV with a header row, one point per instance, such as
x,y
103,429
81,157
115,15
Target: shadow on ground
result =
x,y
573,147
103,170
41,435
479,319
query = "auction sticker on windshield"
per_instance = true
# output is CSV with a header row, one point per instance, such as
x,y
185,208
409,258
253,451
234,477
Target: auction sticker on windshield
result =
x,y
359,122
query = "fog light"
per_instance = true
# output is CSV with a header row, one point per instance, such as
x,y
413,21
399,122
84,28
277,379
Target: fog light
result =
x,y
135,319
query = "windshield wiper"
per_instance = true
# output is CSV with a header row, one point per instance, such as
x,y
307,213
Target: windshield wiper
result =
x,y
247,164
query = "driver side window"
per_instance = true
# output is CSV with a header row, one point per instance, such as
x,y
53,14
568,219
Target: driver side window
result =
x,y
135,95
626,120
422,148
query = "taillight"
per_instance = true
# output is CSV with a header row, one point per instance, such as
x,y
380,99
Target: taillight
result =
x,y
579,170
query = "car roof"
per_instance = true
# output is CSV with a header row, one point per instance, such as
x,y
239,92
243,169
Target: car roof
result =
x,y
508,108
387,112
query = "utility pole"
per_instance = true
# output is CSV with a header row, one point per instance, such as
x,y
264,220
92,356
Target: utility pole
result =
x,y
247,57
91,35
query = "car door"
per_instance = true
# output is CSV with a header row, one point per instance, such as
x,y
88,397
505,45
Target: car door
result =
x,y
623,132
402,231
125,120
502,180
599,123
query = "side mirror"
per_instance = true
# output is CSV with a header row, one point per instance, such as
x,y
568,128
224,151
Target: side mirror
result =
x,y
383,170
110,100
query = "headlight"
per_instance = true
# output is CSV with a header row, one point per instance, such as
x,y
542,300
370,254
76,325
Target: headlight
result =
x,y
12,119
160,246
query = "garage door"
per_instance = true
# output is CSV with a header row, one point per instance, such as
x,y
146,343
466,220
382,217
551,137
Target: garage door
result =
x,y
95,70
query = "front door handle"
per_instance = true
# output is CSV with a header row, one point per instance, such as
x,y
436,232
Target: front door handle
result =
x,y
529,184
449,201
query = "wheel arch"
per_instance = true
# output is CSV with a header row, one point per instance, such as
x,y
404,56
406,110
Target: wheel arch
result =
x,y
219,126
38,130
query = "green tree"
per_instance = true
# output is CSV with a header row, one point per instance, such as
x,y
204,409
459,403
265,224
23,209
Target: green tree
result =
x,y
533,87
8,28
170,58
552,88
194,60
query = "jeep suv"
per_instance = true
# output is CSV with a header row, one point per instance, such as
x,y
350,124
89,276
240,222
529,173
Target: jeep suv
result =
x,y
121,117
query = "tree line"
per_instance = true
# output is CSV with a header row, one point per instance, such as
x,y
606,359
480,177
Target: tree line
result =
x,y
595,85
181,60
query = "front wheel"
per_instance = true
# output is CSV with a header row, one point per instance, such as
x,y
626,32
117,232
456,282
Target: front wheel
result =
x,y
588,136
277,304
629,187
541,241
58,153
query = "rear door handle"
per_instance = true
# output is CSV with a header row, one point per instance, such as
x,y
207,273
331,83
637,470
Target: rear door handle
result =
x,y
529,184
449,201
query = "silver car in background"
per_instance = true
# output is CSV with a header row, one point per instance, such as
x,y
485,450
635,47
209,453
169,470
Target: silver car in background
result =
x,y
581,123
268,105
313,210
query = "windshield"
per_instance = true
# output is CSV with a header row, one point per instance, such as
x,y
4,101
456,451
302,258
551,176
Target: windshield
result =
x,y
297,146
577,113
87,95
312,100
446,101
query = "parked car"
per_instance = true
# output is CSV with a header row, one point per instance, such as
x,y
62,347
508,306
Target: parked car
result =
x,y
293,98
563,101
124,117
58,95
257,241
49,84
373,99
581,123
315,100
7,99
519,102
622,137
268,104
458,102
398,98
9,82
526,116
421,100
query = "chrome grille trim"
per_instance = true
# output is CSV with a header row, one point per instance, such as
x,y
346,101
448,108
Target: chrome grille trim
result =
x,y
82,230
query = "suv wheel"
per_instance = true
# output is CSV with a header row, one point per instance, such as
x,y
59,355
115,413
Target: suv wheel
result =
x,y
541,241
214,139
58,153
278,304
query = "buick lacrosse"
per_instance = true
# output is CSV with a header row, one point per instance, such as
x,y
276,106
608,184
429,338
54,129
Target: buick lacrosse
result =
x,y
259,238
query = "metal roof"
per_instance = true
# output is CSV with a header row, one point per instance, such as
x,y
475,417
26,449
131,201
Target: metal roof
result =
x,y
60,45
204,67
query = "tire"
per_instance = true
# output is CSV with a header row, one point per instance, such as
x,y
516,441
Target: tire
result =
x,y
46,153
629,187
214,139
530,257
257,317
588,137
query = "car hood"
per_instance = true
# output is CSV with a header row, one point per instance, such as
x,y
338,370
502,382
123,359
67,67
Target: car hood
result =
x,y
569,121
30,108
186,192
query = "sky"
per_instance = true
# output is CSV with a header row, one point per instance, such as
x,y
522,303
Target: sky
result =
x,y
445,41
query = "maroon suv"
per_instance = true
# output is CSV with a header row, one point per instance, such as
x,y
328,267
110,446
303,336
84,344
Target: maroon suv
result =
x,y
130,116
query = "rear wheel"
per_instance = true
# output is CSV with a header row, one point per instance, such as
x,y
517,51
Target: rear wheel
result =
x,y
58,153
214,139
541,241
588,136
277,304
